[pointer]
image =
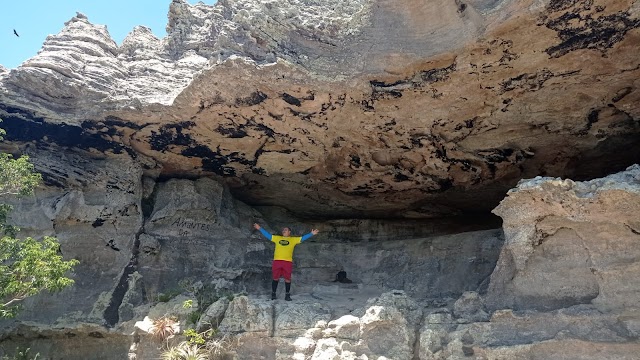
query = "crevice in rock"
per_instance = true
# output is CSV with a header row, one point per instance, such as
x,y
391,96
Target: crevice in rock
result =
x,y
416,341
632,229
111,314
148,203
272,332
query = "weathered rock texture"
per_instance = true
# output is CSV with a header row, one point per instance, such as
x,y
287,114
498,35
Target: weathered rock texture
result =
x,y
393,126
359,108
570,243
190,236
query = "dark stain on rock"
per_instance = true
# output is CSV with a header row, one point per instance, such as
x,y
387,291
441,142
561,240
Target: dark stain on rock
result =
x,y
395,94
51,180
361,190
592,117
493,157
116,121
277,117
22,126
232,132
254,99
97,223
399,177
445,184
560,5
212,161
579,27
381,84
171,134
622,93
461,6
438,74
527,82
291,100
354,160
367,105
383,90
261,127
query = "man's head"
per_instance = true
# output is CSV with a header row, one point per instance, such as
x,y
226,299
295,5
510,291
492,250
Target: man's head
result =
x,y
286,231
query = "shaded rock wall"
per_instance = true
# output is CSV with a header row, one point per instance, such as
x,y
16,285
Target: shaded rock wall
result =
x,y
137,239
194,230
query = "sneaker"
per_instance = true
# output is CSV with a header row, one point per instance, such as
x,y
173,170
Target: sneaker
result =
x,y
287,297
273,296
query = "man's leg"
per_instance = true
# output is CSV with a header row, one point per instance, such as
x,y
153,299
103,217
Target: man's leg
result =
x,y
276,272
288,269
287,286
274,288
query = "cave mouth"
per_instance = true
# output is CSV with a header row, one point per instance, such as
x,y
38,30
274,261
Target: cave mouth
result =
x,y
434,260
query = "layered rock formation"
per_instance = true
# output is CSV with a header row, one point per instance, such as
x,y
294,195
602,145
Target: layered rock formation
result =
x,y
394,127
418,109
563,284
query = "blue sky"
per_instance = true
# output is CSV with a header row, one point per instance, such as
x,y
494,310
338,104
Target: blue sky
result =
x,y
35,19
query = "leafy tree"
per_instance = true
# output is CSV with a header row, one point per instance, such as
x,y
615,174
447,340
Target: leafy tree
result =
x,y
27,266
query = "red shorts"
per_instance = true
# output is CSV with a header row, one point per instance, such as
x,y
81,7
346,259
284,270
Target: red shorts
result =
x,y
281,268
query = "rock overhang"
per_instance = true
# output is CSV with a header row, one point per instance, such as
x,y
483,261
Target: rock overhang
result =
x,y
416,126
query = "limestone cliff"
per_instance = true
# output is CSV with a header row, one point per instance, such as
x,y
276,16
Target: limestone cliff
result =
x,y
393,126
359,108
564,280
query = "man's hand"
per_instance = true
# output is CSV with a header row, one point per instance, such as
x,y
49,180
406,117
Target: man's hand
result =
x,y
256,226
315,231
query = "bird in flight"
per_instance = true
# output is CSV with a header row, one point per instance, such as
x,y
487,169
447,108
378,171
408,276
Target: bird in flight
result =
x,y
15,33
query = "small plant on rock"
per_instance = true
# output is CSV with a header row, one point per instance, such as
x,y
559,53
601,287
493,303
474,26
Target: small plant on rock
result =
x,y
166,297
200,338
164,328
194,317
185,351
218,348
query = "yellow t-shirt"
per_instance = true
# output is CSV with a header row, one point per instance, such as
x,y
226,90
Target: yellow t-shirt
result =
x,y
284,246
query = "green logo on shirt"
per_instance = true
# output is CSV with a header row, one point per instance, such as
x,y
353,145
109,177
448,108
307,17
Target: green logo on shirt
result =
x,y
283,242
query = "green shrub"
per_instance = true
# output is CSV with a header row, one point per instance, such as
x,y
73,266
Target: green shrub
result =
x,y
194,316
21,355
165,297
185,351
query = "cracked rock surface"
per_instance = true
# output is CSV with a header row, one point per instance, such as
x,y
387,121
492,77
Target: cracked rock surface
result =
x,y
395,127
359,109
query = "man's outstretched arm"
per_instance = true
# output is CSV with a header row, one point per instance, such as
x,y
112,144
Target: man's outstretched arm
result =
x,y
307,236
263,231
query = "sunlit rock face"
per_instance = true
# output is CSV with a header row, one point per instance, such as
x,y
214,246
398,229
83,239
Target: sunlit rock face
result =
x,y
364,108
570,243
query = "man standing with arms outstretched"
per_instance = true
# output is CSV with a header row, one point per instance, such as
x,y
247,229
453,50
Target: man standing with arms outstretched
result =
x,y
283,257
